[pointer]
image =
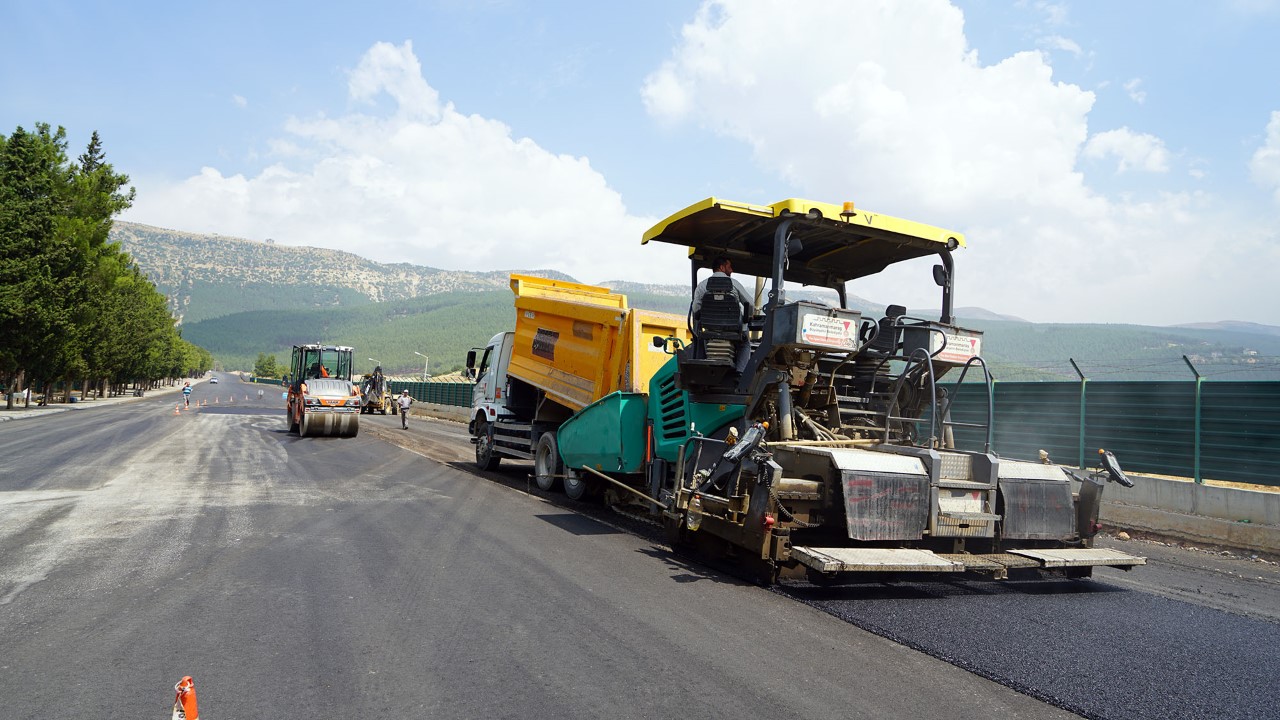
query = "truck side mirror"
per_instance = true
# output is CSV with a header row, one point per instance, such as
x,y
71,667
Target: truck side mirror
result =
x,y
471,360
940,275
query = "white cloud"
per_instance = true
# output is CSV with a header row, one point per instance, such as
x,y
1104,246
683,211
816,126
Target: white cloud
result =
x,y
1133,151
419,182
1136,95
239,101
1055,13
1254,7
1057,42
1265,165
907,121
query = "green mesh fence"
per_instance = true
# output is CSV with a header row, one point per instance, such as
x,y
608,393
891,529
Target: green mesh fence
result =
x,y
437,393
1221,431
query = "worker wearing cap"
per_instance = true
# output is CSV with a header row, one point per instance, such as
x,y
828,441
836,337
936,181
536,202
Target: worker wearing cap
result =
x,y
404,401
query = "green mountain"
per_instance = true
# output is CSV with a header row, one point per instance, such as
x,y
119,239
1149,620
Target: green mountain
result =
x,y
442,327
208,276
238,298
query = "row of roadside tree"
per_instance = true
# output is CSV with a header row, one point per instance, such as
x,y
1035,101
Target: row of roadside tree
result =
x,y
75,311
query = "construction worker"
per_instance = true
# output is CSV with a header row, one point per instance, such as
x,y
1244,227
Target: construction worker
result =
x,y
404,401
186,393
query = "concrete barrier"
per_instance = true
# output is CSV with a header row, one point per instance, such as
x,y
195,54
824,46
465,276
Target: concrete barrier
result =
x,y
1198,513
448,412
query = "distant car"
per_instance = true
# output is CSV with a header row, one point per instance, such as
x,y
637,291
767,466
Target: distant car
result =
x,y
213,380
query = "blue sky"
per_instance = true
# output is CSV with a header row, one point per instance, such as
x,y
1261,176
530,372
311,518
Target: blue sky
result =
x,y
1109,162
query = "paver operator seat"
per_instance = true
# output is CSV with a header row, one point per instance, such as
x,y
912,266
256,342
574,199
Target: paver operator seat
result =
x,y
718,325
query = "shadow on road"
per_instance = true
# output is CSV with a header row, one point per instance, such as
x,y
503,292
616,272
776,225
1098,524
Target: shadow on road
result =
x,y
578,524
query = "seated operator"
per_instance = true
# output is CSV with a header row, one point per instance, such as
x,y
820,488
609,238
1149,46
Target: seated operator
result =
x,y
723,267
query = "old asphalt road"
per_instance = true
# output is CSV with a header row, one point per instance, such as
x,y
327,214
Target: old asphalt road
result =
x,y
345,578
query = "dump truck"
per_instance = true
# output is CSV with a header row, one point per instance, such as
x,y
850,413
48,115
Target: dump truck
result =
x,y
373,393
806,439
572,346
322,400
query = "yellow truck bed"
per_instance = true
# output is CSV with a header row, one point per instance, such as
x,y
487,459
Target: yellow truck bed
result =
x,y
579,343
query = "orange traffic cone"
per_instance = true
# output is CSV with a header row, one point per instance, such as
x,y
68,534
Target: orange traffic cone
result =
x,y
177,409
184,702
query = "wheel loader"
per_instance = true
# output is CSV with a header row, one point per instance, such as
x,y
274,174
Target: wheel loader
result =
x,y
374,393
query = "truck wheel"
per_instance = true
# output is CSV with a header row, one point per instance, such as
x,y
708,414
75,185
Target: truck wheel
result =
x,y
384,411
546,462
577,487
486,458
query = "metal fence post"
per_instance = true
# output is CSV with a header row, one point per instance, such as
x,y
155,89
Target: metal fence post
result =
x,y
1196,461
1084,381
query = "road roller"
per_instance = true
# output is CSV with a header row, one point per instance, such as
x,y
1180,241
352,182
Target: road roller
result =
x,y
322,401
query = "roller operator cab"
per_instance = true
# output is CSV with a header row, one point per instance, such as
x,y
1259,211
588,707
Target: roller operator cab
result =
x,y
322,400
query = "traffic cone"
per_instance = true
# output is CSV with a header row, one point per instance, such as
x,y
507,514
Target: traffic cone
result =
x,y
184,701
177,409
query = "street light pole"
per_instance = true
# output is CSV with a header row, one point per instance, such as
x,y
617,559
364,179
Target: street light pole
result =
x,y
425,361
375,362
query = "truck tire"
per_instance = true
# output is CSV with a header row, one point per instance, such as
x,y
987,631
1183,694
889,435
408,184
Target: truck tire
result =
x,y
486,458
546,462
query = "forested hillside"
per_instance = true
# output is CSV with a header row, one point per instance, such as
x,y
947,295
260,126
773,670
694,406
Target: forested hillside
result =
x,y
208,276
1030,351
442,327
239,298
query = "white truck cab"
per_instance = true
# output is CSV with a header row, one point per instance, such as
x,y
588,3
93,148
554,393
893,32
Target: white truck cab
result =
x,y
488,401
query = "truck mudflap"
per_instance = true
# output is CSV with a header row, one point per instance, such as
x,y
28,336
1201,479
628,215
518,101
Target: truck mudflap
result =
x,y
901,560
